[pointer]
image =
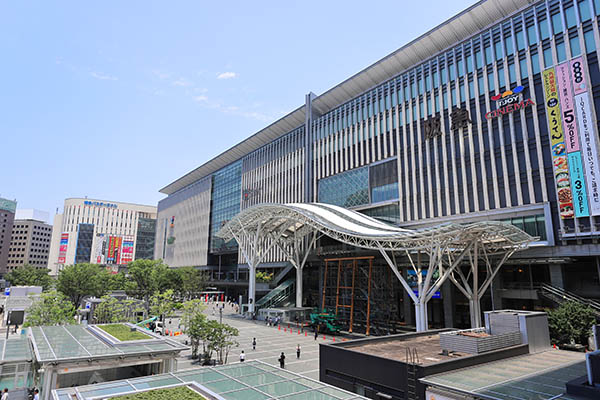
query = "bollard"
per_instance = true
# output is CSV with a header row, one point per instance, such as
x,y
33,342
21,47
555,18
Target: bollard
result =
x,y
324,337
279,327
298,332
305,333
284,329
333,337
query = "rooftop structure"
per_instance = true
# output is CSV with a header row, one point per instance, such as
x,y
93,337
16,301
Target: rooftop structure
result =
x,y
252,380
73,355
74,342
533,376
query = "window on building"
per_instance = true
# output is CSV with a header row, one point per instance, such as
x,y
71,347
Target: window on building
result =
x,y
548,57
561,52
584,10
575,47
570,17
590,43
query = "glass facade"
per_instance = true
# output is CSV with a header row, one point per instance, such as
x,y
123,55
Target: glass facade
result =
x,y
144,241
225,204
383,181
388,213
348,189
533,224
85,237
490,163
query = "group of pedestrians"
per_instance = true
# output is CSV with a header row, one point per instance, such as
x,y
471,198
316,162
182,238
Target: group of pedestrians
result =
x,y
281,358
272,321
36,394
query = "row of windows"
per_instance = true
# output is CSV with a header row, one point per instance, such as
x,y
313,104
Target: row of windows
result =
x,y
500,41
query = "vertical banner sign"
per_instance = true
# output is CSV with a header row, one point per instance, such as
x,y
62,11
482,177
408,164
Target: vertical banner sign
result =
x,y
111,248
587,133
557,142
565,94
127,250
580,201
62,251
117,250
100,247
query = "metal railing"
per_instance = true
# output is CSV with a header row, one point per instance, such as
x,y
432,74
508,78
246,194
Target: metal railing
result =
x,y
278,295
560,296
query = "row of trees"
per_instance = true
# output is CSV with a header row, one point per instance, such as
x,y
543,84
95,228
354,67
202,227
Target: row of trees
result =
x,y
159,288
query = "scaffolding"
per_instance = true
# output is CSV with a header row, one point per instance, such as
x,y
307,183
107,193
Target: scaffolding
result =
x,y
361,293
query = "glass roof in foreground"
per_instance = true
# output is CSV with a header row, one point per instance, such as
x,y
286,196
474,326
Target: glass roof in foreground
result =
x,y
15,349
252,380
69,342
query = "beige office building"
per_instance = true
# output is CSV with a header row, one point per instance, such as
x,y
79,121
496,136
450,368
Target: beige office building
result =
x,y
102,232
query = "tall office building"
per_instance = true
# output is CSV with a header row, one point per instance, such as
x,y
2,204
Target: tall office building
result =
x,y
492,115
101,232
7,216
30,240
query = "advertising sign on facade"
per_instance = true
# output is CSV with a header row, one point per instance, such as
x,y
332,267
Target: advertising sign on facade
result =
x,y
508,102
557,142
62,251
589,144
100,249
127,250
114,250
565,94
580,201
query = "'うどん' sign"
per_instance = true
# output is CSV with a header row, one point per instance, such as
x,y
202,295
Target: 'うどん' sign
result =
x,y
507,102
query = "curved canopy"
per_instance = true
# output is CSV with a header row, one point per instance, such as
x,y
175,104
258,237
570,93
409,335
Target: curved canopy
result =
x,y
288,222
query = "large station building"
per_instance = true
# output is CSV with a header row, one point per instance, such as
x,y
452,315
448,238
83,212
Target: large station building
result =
x,y
492,115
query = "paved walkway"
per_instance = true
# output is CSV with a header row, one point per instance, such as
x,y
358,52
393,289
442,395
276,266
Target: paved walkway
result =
x,y
270,342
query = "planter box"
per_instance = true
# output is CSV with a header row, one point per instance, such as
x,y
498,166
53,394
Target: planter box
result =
x,y
454,341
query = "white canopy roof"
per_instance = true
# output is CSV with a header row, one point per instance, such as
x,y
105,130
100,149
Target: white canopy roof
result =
x,y
287,222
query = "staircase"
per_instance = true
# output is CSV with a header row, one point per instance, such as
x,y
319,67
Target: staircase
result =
x,y
560,296
280,296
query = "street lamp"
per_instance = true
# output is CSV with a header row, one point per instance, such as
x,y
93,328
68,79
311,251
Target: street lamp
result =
x,y
220,315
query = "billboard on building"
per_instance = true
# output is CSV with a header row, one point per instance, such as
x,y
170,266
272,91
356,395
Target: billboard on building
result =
x,y
127,250
557,142
100,249
587,133
62,250
114,250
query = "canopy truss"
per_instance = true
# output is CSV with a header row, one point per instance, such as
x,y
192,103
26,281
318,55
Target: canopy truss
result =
x,y
435,254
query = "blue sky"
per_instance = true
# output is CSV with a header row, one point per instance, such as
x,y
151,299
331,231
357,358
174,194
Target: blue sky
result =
x,y
115,99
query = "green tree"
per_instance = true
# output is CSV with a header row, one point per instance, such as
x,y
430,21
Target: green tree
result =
x,y
196,330
145,278
264,276
117,281
223,340
80,280
571,323
112,310
51,308
28,275
191,308
163,304
192,280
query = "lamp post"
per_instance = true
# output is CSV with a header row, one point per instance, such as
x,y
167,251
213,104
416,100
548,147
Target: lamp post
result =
x,y
220,315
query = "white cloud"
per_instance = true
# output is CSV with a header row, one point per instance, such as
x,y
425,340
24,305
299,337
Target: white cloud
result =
x,y
182,82
101,76
161,75
227,75
200,98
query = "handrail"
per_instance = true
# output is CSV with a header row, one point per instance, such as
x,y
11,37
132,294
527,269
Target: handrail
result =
x,y
566,295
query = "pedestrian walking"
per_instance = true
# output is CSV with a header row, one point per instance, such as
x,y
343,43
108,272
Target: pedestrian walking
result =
x,y
316,333
254,344
36,394
242,356
4,394
298,352
282,360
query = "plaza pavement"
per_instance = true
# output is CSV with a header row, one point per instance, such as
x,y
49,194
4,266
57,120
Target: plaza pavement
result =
x,y
270,342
